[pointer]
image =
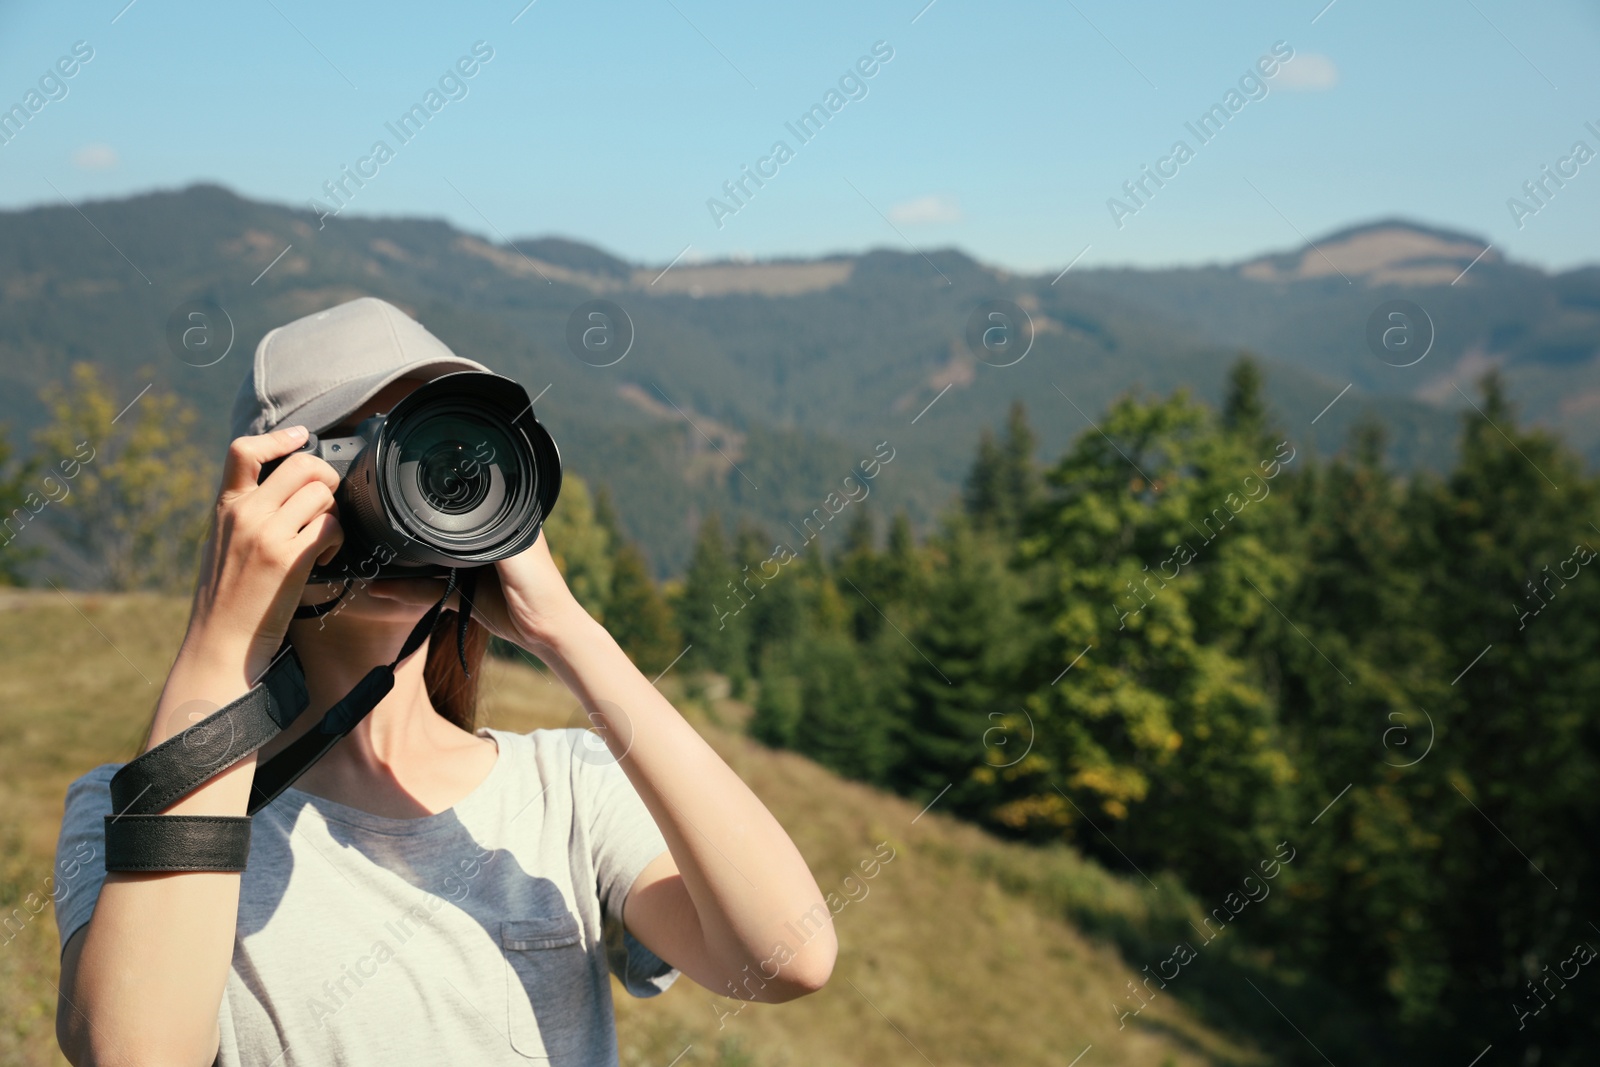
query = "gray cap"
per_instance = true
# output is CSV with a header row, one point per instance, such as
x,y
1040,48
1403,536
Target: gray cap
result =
x,y
315,371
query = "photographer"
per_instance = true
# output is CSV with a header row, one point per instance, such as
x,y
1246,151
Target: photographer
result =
x,y
430,891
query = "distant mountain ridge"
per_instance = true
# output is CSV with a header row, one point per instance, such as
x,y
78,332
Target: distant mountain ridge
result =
x,y
1391,251
752,386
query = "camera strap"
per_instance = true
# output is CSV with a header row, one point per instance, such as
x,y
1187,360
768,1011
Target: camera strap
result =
x,y
312,611
140,838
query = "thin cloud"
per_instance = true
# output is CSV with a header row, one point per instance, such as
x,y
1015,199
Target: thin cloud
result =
x,y
1307,72
96,157
925,209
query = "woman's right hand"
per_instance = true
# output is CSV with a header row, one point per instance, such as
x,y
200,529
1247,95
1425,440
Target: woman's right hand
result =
x,y
264,541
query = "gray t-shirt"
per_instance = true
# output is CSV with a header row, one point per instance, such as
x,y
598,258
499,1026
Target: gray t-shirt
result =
x,y
483,934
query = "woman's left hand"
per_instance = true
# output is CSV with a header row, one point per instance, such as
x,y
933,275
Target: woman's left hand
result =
x,y
523,599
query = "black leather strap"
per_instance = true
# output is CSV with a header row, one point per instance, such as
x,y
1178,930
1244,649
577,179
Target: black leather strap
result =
x,y
312,611
280,772
177,842
188,759
138,838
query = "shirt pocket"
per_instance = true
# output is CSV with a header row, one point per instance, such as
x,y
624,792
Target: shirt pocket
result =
x,y
550,997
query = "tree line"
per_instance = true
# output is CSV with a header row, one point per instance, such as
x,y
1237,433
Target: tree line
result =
x,y
1189,640
1184,646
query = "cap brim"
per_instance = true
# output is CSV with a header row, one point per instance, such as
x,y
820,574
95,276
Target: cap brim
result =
x,y
335,405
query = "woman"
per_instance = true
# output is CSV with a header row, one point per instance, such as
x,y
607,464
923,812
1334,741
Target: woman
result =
x,y
428,892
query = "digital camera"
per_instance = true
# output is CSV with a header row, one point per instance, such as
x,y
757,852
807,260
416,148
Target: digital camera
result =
x,y
458,473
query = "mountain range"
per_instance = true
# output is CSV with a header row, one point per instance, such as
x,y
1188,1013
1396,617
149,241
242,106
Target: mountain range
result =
x,y
753,388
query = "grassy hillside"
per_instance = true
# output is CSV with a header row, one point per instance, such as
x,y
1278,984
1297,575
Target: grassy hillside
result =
x,y
965,950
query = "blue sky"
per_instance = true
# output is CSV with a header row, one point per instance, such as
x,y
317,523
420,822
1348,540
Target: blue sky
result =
x,y
999,129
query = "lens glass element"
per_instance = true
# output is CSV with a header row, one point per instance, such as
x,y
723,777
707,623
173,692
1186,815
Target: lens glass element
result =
x,y
458,472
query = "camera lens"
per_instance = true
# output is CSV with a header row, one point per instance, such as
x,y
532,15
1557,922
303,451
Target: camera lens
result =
x,y
451,479
460,474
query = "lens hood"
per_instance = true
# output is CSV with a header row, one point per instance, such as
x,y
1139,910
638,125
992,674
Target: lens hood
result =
x,y
459,473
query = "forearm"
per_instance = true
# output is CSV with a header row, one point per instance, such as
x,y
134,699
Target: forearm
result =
x,y
155,956
746,878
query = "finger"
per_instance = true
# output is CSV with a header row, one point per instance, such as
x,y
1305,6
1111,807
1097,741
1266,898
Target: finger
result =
x,y
292,474
242,467
318,542
310,500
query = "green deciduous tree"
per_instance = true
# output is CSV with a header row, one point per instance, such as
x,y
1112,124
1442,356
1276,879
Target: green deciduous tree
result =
x,y
135,508
580,543
1161,732
19,500
636,611
637,614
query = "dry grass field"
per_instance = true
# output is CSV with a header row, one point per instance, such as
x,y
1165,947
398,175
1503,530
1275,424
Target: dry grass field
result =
x,y
963,951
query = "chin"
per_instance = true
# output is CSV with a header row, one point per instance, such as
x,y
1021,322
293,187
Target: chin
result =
x,y
357,604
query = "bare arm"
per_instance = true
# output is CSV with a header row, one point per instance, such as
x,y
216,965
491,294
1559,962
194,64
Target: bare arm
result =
x,y
723,899
143,981
733,886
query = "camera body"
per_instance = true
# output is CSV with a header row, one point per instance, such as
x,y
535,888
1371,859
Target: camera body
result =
x,y
338,452
458,474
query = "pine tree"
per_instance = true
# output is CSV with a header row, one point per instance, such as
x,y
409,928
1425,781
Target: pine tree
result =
x,y
839,727
824,602
708,611
1019,472
773,615
954,713
984,493
1518,757
1244,410
902,570
1003,481
858,568
860,536
780,703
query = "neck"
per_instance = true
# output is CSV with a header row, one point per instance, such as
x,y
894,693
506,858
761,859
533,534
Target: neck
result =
x,y
335,658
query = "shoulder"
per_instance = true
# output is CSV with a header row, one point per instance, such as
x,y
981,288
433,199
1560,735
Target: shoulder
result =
x,y
87,803
96,776
544,747
79,871
92,786
539,761
571,760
